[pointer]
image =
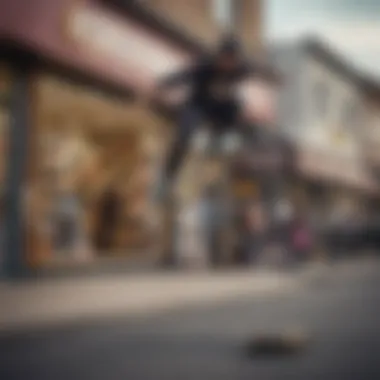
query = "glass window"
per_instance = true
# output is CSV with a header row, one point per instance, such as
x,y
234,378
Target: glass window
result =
x,y
90,194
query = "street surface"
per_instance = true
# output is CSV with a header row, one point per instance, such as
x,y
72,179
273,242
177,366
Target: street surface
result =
x,y
339,306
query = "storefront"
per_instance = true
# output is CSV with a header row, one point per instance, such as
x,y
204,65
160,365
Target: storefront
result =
x,y
90,148
262,174
331,188
95,160
84,145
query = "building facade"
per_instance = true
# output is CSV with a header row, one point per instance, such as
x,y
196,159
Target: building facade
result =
x,y
321,109
79,149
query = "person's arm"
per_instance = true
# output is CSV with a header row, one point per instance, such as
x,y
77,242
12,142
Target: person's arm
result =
x,y
176,79
186,75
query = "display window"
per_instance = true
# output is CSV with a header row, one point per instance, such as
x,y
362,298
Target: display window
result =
x,y
96,157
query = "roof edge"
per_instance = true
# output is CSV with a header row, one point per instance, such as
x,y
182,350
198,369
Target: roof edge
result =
x,y
154,20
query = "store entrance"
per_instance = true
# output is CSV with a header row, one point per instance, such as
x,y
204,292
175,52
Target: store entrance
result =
x,y
119,156
95,160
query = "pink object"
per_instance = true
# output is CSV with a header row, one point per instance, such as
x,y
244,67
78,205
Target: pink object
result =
x,y
302,239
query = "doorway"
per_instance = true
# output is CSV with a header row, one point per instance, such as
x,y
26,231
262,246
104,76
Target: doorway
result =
x,y
94,147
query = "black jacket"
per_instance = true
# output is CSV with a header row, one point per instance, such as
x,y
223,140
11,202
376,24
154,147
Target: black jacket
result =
x,y
212,90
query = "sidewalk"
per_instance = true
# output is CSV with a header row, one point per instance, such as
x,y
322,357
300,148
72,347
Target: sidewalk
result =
x,y
52,302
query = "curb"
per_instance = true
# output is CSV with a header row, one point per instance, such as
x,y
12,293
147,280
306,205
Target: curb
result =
x,y
146,305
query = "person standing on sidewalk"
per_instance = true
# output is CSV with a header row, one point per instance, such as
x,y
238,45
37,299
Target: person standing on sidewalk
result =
x,y
302,239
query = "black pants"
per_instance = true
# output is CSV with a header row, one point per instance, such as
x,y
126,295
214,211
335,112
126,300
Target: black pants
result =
x,y
220,119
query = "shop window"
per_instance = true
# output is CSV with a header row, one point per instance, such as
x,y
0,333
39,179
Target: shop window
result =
x,y
93,172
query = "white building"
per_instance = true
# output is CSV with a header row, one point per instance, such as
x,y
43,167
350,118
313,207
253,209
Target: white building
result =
x,y
321,109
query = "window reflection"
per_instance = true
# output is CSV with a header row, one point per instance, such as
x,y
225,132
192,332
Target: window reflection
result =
x,y
97,156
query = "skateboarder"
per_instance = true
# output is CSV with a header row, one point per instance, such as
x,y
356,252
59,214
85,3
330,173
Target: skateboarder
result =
x,y
214,81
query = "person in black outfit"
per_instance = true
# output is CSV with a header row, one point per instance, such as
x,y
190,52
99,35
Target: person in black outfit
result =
x,y
213,98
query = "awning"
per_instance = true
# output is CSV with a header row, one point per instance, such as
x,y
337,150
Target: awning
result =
x,y
90,38
326,166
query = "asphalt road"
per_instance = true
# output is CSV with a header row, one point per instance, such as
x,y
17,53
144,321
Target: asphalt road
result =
x,y
340,307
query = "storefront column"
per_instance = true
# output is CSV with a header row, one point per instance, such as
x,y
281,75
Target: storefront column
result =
x,y
15,264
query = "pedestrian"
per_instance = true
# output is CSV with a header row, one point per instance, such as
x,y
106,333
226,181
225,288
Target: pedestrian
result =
x,y
302,239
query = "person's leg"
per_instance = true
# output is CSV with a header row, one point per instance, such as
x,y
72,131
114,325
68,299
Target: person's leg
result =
x,y
189,120
223,143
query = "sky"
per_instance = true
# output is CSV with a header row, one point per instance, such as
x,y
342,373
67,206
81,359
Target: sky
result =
x,y
352,26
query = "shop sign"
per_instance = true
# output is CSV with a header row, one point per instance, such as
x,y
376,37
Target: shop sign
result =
x,y
117,39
